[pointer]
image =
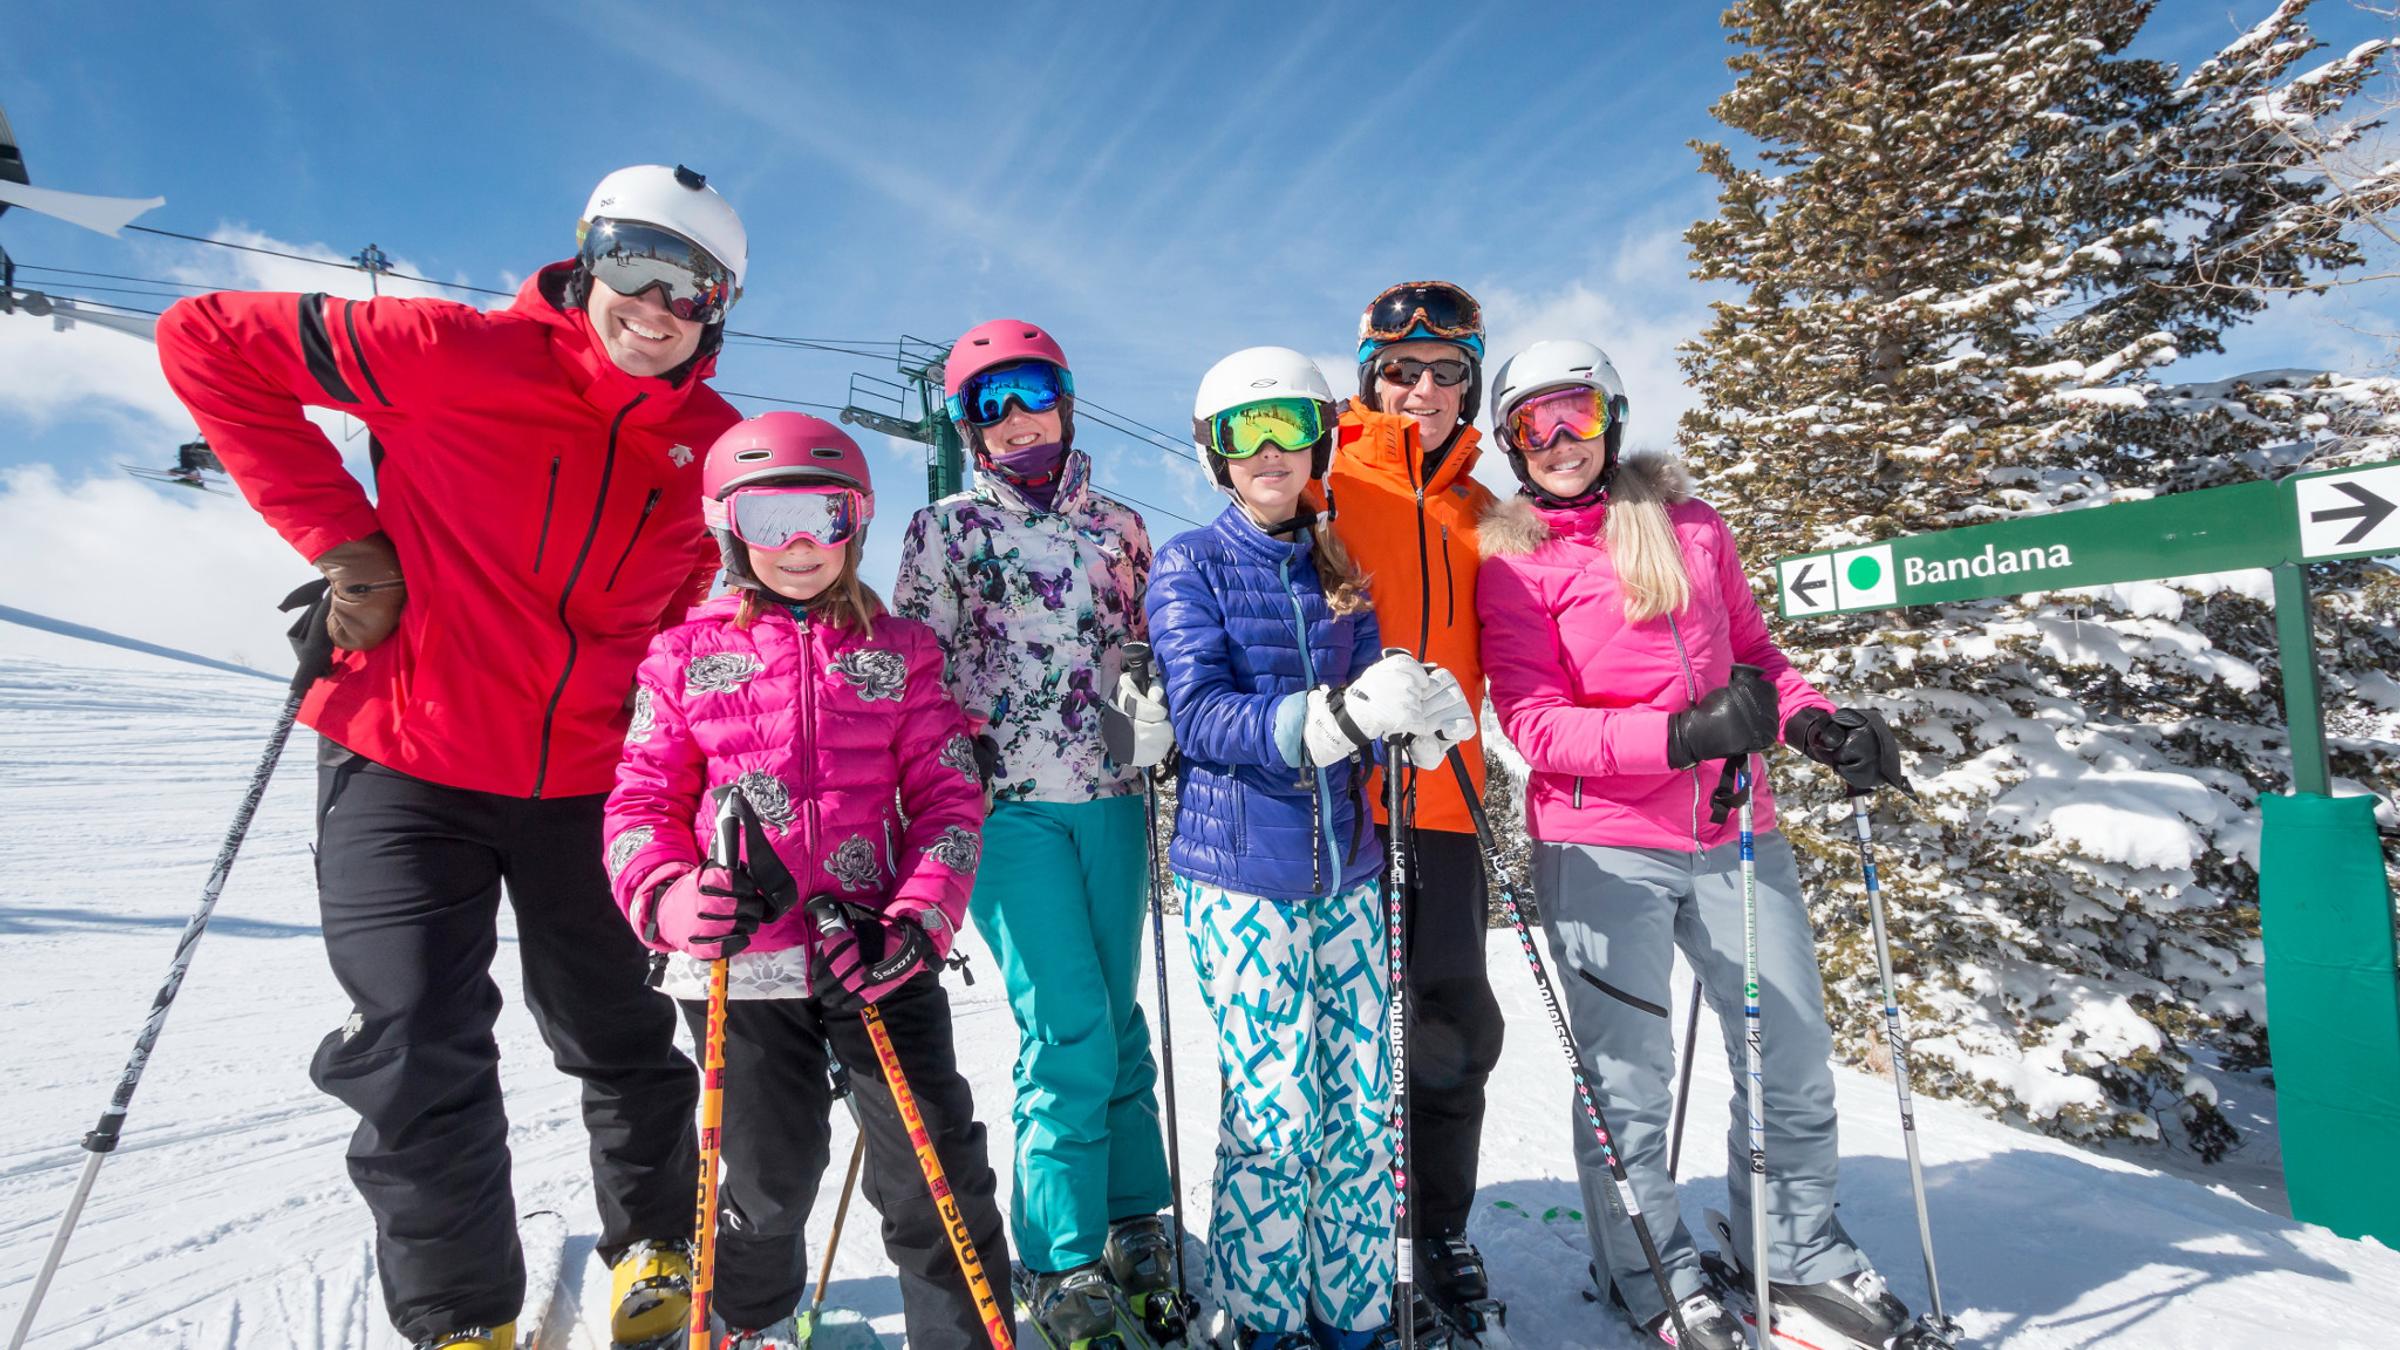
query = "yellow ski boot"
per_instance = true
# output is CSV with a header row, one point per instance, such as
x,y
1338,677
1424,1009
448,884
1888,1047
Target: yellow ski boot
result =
x,y
651,1291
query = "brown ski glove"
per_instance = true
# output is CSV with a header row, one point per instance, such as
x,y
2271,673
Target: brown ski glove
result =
x,y
367,591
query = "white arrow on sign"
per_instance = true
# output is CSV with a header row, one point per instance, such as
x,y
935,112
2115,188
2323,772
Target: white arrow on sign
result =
x,y
1807,585
2349,514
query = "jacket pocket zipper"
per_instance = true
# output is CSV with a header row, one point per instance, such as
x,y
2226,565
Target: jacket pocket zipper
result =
x,y
1579,792
541,542
649,504
1449,584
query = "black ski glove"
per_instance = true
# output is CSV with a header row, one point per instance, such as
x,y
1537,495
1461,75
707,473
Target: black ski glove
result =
x,y
312,643
863,954
1855,743
723,905
1736,720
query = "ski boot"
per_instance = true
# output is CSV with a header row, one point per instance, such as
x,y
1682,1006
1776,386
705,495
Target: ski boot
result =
x,y
1450,1272
1072,1309
1140,1257
1251,1338
501,1337
650,1292
1704,1315
783,1334
1855,1310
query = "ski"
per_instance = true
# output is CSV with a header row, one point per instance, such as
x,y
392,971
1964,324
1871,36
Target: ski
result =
x,y
834,1328
1477,1322
1159,1320
1793,1326
542,1235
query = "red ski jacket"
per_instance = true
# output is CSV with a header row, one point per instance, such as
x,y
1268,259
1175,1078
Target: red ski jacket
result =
x,y
545,506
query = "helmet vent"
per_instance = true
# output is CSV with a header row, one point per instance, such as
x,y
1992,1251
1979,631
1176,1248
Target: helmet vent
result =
x,y
824,452
751,456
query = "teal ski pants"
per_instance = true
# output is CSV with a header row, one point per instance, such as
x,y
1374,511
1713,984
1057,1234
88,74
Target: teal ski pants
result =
x,y
1300,1228
1061,897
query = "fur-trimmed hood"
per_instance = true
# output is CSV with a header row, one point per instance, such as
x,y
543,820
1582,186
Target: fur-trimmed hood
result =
x,y
1520,524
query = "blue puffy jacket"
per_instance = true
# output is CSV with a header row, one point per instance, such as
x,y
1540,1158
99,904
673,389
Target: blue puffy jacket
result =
x,y
1227,604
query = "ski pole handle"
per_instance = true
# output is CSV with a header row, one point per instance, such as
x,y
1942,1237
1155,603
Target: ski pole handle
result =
x,y
1137,662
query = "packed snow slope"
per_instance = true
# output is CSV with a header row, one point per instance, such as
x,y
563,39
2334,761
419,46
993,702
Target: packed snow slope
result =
x,y
226,1219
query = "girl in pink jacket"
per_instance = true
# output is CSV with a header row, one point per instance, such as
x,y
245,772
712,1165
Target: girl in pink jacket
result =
x,y
858,784
1629,664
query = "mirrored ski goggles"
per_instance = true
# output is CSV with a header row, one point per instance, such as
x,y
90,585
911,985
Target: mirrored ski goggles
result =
x,y
1448,371
1294,424
631,258
1035,386
773,517
1538,422
1437,308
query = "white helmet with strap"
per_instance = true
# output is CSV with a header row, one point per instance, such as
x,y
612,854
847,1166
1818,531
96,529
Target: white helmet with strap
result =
x,y
1558,364
1254,375
674,199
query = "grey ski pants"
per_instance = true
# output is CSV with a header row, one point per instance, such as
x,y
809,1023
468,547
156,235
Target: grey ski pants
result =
x,y
1615,917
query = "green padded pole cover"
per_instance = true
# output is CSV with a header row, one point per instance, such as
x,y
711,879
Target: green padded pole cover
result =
x,y
2333,1011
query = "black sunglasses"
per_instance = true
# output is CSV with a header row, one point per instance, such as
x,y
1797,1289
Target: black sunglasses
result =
x,y
1407,370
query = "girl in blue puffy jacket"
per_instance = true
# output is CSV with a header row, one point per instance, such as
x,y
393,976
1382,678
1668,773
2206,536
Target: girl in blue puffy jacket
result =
x,y
1268,649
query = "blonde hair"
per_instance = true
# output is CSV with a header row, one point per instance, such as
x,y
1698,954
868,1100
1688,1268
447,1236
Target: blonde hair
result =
x,y
1641,542
847,603
1338,573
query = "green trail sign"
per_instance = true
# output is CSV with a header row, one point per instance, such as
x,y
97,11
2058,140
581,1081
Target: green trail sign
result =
x,y
2333,995
2310,518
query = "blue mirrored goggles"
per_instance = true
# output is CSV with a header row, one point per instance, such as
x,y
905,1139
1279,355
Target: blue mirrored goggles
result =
x,y
1035,386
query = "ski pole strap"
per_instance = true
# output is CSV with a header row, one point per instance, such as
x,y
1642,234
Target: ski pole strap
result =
x,y
1733,789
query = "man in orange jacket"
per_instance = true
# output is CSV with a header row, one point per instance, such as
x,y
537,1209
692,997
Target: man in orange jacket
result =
x,y
1405,506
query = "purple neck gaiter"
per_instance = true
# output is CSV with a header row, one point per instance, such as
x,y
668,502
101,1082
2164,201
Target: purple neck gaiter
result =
x,y
1033,469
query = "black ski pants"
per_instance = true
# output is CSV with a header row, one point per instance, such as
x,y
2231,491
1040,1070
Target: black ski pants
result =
x,y
409,877
1454,1027
777,1131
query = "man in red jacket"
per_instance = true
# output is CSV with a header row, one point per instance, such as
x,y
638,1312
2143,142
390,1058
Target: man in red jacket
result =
x,y
536,518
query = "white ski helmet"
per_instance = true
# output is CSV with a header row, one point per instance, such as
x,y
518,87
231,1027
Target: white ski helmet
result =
x,y
673,199
1254,375
1558,364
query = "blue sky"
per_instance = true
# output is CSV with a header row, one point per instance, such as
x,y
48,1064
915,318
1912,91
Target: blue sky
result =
x,y
1158,184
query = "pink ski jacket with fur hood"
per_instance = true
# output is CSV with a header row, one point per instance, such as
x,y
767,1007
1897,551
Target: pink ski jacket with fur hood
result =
x,y
846,742
1585,696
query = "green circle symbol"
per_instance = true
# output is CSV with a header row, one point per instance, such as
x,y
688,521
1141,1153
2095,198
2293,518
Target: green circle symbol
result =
x,y
1865,572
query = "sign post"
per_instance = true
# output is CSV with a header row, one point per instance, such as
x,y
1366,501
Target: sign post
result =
x,y
2333,969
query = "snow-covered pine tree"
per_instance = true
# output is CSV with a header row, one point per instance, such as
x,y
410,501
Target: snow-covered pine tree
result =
x,y
1966,241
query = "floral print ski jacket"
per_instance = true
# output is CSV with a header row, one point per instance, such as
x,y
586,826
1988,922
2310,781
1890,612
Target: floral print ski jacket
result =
x,y
845,742
1033,609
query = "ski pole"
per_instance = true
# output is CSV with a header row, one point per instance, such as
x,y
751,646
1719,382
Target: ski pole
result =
x,y
1765,1325
1137,667
962,1243
712,1098
1566,1040
833,1241
103,1138
1395,927
1683,1081
1938,1320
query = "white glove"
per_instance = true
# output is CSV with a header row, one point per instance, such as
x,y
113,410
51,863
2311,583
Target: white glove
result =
x,y
1386,700
1447,720
1134,726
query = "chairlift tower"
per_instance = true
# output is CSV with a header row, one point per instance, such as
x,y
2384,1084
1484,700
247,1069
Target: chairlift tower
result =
x,y
910,409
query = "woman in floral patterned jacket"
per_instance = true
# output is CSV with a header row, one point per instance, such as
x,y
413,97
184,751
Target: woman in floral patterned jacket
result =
x,y
830,718
1034,582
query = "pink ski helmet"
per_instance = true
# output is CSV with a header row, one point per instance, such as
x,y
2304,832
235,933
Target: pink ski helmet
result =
x,y
785,448
1002,342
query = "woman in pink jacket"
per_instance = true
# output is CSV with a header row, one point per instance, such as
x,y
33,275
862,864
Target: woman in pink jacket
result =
x,y
859,784
1629,663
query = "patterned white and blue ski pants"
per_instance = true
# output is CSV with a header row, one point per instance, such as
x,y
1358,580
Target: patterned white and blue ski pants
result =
x,y
1301,1225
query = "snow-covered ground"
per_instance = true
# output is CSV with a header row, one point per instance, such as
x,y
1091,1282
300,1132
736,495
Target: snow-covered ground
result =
x,y
226,1219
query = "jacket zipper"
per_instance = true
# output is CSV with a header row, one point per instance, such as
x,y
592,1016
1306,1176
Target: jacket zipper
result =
x,y
809,840
1424,568
649,504
1449,584
542,541
566,671
1691,696
1320,826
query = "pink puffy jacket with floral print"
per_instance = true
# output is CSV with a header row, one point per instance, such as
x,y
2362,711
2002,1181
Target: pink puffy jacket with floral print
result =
x,y
847,743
